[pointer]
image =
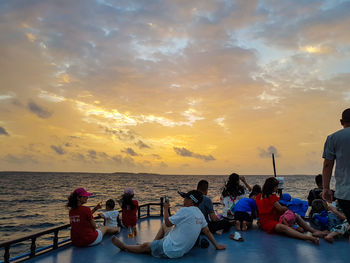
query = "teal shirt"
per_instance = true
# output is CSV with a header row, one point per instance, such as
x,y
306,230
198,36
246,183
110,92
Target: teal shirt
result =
x,y
337,147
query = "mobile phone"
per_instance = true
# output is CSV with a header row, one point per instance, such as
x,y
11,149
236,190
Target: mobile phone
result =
x,y
166,199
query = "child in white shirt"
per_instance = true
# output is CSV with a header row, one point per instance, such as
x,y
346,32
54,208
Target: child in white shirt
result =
x,y
111,216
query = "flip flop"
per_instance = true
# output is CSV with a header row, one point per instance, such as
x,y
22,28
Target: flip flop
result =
x,y
237,237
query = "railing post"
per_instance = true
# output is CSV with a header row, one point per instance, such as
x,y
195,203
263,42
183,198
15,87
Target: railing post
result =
x,y
161,206
148,210
7,254
33,247
139,212
55,239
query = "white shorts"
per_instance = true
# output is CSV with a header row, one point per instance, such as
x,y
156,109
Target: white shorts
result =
x,y
98,238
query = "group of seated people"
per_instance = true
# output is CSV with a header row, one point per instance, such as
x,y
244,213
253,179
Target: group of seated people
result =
x,y
242,204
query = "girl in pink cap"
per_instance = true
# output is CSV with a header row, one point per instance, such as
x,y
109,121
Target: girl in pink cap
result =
x,y
83,227
129,210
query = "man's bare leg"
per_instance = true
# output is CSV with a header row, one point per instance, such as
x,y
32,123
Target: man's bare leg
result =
x,y
139,249
162,231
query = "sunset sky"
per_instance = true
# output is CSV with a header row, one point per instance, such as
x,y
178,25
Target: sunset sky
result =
x,y
173,86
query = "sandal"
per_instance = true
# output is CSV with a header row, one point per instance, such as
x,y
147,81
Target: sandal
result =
x,y
237,237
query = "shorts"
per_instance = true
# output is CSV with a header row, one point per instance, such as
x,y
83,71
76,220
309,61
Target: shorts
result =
x,y
157,249
243,216
98,238
345,206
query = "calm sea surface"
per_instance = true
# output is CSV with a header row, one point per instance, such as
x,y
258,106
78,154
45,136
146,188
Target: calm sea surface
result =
x,y
31,202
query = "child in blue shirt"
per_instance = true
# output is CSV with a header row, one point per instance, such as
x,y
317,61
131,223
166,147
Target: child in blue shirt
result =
x,y
245,210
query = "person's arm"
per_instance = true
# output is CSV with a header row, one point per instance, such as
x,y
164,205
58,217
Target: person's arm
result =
x,y
166,215
102,215
98,206
280,207
213,217
340,215
242,178
327,193
211,238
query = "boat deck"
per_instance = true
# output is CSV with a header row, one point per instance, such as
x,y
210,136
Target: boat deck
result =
x,y
257,247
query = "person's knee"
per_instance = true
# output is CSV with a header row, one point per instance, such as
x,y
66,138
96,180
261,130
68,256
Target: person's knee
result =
x,y
146,247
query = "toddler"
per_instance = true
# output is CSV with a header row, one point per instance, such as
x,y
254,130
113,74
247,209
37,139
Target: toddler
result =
x,y
288,218
111,216
129,210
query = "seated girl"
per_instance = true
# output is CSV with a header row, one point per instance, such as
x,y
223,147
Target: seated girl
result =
x,y
270,211
232,192
328,217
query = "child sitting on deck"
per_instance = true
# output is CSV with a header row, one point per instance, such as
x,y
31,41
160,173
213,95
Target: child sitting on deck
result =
x,y
316,192
111,216
288,219
328,217
270,211
232,192
245,210
129,210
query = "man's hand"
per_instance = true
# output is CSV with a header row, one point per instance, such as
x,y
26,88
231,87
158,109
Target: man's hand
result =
x,y
242,178
327,195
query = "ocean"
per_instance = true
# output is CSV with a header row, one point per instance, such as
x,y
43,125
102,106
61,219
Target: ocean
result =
x,y
31,202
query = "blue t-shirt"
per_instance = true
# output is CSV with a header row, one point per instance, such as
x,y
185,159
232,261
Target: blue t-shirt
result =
x,y
245,205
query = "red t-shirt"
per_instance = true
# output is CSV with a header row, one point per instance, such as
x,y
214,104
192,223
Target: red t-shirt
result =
x,y
268,215
129,217
82,233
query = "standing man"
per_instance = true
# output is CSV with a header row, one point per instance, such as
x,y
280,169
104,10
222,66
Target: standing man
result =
x,y
337,149
206,206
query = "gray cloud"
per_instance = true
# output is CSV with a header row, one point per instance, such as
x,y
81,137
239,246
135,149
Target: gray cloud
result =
x,y
3,131
266,153
20,159
130,151
187,153
141,145
58,149
39,111
122,134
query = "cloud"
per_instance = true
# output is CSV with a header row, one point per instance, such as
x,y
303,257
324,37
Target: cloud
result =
x,y
122,134
187,153
129,151
39,111
3,131
58,149
141,145
266,153
20,159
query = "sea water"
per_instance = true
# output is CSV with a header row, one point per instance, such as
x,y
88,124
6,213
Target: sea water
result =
x,y
32,202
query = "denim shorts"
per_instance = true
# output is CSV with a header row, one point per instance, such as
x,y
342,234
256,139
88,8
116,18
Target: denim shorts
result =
x,y
157,249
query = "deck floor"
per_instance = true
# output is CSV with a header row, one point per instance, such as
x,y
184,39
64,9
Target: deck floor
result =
x,y
257,247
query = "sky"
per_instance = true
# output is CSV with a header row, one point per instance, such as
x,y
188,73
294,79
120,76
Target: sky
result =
x,y
173,86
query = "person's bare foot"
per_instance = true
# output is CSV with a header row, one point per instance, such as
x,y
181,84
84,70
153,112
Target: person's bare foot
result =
x,y
315,240
329,239
319,234
244,226
238,225
118,243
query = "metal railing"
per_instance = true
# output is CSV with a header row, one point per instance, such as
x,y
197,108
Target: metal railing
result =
x,y
34,251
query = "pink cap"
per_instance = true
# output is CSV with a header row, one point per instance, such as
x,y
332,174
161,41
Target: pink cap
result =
x,y
129,191
289,216
81,192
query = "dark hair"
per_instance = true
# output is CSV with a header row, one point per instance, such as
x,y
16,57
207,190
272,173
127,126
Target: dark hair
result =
x,y
202,185
345,116
233,187
318,179
317,206
269,186
72,200
110,203
255,190
127,202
